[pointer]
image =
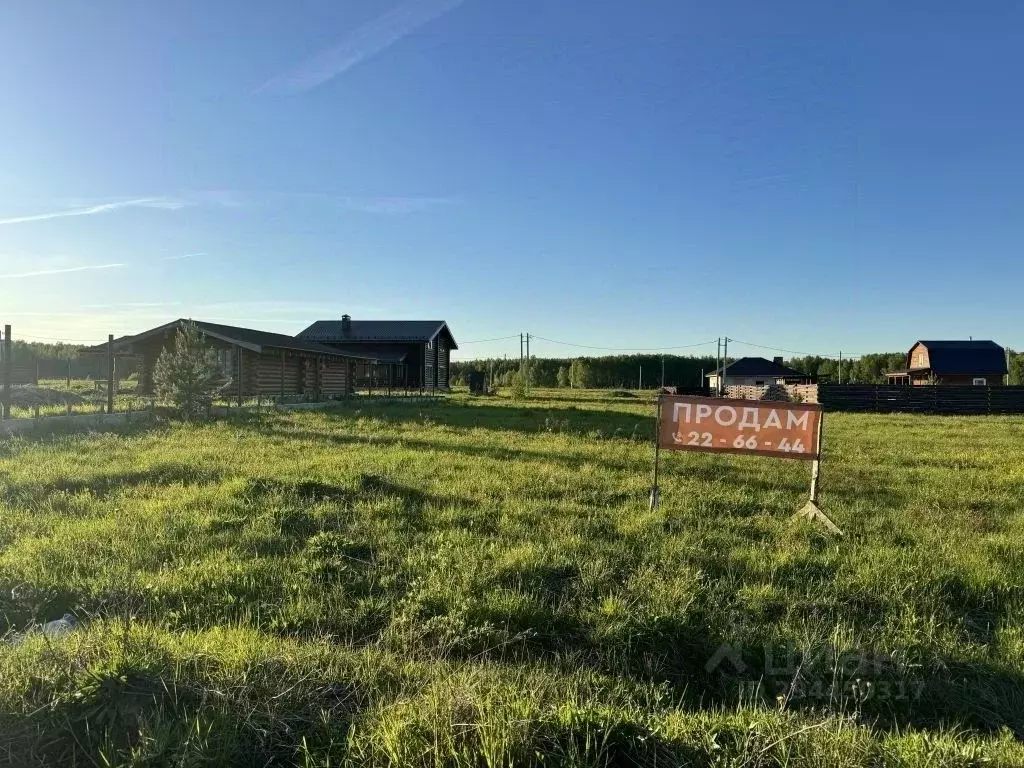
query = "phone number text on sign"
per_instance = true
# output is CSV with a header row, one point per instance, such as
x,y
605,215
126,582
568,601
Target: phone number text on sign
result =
x,y
786,430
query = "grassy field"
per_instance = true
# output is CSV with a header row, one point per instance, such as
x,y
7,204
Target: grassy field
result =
x,y
53,396
479,582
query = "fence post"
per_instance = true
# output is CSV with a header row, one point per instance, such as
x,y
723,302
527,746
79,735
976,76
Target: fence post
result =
x,y
5,411
110,373
67,404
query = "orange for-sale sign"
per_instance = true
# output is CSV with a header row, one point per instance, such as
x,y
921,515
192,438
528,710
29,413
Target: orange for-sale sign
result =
x,y
760,428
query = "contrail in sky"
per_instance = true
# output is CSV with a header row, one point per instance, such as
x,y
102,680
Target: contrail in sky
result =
x,y
64,270
144,202
361,44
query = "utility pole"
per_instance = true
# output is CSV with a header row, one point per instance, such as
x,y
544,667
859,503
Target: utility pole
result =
x,y
641,378
718,368
663,371
840,366
725,361
526,374
520,353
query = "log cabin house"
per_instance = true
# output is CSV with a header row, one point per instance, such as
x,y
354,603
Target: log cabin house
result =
x,y
963,363
413,354
254,363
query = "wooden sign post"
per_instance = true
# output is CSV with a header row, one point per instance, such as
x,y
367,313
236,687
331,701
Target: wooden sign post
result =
x,y
751,427
811,510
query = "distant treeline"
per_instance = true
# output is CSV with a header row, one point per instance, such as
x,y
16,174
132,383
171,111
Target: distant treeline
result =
x,y
867,369
607,372
622,371
636,371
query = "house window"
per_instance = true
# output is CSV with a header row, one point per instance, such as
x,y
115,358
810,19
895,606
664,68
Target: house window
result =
x,y
979,382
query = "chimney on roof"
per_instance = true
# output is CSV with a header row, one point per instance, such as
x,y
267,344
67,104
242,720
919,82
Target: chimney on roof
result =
x,y
778,360
346,325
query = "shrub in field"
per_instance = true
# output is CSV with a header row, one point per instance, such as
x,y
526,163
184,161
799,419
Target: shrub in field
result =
x,y
188,375
563,377
517,387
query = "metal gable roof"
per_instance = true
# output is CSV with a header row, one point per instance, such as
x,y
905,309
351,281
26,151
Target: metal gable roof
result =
x,y
758,366
248,338
377,330
265,338
964,357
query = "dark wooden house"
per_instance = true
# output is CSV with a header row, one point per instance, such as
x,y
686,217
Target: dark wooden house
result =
x,y
964,363
413,354
254,363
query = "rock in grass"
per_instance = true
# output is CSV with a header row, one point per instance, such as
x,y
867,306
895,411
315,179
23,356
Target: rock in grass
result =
x,y
65,625
62,626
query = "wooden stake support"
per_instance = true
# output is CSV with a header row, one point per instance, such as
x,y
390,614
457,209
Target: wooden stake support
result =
x,y
811,511
655,490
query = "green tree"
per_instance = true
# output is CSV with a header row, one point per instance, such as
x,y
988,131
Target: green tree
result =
x,y
517,387
188,375
563,376
579,374
1016,368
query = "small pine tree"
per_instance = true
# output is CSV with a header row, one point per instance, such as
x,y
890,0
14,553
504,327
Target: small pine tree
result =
x,y
518,386
188,375
563,377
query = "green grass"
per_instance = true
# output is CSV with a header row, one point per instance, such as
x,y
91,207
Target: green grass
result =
x,y
479,582
49,398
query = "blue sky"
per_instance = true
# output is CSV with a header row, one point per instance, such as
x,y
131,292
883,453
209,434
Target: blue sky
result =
x,y
630,175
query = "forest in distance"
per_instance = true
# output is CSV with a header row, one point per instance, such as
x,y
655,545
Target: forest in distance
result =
x,y
644,371
635,371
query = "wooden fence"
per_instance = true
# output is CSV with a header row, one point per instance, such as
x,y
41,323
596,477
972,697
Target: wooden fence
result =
x,y
883,398
928,399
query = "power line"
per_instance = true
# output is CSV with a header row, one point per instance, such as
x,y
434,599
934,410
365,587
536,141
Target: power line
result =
x,y
624,349
481,341
790,351
57,340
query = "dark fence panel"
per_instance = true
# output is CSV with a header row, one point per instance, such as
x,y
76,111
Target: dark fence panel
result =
x,y
928,399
